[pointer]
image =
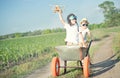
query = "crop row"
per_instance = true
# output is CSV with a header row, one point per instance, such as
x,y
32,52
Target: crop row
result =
x,y
14,51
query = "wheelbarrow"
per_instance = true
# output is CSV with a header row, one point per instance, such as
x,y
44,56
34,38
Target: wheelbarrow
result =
x,y
71,53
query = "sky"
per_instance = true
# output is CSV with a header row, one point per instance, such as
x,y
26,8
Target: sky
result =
x,y
31,15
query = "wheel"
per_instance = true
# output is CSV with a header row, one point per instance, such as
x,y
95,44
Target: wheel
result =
x,y
55,67
86,67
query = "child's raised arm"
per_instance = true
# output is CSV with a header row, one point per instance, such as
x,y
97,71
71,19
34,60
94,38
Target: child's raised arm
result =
x,y
59,11
61,18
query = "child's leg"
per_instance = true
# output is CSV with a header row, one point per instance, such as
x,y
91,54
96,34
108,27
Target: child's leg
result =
x,y
82,40
81,54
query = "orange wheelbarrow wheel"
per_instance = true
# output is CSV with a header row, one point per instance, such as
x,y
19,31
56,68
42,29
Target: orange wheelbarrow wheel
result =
x,y
55,66
86,63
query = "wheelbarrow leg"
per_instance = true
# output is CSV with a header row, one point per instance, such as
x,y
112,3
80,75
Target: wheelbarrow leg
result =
x,y
81,63
65,64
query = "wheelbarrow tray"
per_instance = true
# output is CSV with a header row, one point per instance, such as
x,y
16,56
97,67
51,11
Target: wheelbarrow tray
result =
x,y
70,53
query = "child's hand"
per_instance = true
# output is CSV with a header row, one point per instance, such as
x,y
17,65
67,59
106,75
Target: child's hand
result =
x,y
57,9
84,46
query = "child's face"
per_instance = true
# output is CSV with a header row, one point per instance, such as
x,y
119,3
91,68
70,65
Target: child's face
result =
x,y
73,21
84,24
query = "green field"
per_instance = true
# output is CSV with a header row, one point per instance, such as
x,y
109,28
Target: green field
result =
x,y
18,51
13,50
20,56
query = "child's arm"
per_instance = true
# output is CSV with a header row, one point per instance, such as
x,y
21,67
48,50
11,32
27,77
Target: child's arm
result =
x,y
61,18
82,40
59,11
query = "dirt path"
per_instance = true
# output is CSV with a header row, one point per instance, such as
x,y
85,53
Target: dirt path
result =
x,y
105,64
41,73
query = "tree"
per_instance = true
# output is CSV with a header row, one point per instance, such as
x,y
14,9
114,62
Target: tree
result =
x,y
107,6
111,13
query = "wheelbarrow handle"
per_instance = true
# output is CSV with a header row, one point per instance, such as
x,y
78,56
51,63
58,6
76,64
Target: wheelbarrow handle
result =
x,y
87,52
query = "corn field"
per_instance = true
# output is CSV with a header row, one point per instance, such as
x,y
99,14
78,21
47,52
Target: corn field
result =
x,y
19,50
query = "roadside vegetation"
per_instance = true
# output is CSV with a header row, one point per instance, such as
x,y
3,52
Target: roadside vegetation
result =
x,y
116,44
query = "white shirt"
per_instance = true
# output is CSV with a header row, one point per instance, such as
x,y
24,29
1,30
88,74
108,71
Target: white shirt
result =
x,y
84,33
72,34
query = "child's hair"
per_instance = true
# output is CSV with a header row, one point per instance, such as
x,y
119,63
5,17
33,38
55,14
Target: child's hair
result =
x,y
84,20
70,17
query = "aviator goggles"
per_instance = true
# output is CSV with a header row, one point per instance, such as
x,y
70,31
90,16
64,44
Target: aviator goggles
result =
x,y
72,17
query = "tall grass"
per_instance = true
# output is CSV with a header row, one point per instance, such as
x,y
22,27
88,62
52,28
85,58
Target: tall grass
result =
x,y
116,44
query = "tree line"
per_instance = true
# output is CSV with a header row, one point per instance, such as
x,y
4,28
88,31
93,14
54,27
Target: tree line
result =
x,y
31,33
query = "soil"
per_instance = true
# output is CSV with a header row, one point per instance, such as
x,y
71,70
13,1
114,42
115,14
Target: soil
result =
x,y
41,73
104,63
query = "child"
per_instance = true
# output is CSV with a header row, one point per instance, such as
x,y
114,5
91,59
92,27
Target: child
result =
x,y
85,30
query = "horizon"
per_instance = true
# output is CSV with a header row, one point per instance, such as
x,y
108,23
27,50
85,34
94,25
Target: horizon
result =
x,y
30,15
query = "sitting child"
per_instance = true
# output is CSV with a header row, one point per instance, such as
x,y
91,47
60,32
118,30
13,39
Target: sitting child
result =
x,y
85,31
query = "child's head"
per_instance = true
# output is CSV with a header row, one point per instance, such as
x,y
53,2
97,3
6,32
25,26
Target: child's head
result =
x,y
84,22
72,19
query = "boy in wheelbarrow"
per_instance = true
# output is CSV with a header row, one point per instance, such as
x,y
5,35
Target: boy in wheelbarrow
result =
x,y
85,31
72,30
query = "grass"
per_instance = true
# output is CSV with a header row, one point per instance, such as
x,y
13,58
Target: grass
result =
x,y
18,71
116,44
